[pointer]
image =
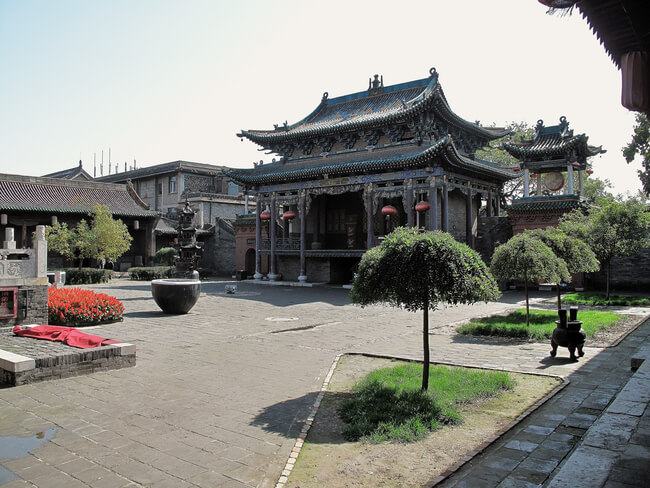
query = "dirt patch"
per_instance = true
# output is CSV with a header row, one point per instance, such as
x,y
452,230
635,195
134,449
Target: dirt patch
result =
x,y
614,334
328,460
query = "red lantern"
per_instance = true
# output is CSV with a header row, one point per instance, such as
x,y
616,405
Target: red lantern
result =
x,y
533,175
575,164
266,215
422,207
589,172
389,210
289,214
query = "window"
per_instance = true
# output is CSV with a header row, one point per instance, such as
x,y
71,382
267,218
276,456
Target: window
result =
x,y
159,188
172,184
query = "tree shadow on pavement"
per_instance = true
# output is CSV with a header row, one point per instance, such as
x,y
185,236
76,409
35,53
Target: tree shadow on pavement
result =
x,y
287,418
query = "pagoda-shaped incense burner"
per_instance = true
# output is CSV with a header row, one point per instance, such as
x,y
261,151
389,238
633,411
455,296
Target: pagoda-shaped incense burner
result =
x,y
180,293
189,251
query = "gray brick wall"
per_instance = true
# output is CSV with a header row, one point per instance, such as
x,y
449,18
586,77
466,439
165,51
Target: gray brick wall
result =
x,y
32,306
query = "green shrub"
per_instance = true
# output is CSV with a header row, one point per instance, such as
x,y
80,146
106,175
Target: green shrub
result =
x,y
150,273
601,300
389,404
165,256
87,276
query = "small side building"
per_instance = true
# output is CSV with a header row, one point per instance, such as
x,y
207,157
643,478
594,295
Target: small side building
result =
x,y
27,201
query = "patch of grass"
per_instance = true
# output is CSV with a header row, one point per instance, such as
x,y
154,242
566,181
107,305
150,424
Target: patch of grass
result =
x,y
542,323
601,300
388,404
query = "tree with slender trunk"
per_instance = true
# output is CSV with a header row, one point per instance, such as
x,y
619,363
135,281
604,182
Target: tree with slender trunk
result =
x,y
417,271
526,258
576,254
616,229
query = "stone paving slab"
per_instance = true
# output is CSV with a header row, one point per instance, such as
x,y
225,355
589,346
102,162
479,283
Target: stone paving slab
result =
x,y
220,395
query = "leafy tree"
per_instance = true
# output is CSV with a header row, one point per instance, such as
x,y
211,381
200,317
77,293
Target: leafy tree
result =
x,y
576,254
616,229
105,237
417,271
165,256
598,191
493,153
526,258
640,145
61,240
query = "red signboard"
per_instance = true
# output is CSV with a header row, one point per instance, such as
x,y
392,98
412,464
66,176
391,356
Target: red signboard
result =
x,y
8,302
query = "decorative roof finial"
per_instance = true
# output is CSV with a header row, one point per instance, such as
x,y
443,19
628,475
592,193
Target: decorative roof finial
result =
x,y
325,95
375,86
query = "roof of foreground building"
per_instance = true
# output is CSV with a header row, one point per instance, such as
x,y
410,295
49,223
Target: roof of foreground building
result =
x,y
55,195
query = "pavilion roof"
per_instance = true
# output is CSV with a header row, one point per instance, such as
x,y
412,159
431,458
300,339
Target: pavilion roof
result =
x,y
364,161
55,195
547,202
378,105
553,142
74,173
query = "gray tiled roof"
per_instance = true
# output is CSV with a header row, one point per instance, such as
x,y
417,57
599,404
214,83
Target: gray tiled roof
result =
x,y
354,162
362,110
164,168
40,194
554,142
74,173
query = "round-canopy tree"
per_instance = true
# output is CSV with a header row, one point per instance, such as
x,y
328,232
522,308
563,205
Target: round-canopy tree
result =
x,y
616,229
576,254
526,258
417,271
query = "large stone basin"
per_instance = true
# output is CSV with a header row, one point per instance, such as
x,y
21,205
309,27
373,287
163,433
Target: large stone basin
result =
x,y
175,295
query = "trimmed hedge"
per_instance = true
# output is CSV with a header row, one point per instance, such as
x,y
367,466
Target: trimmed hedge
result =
x,y
87,276
149,273
165,256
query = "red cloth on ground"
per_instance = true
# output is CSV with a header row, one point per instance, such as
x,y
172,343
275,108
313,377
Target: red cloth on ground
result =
x,y
68,335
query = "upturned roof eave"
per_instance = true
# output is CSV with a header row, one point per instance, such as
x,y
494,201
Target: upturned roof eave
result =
x,y
262,137
253,177
431,95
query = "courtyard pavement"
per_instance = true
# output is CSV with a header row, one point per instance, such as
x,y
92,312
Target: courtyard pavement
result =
x,y
220,395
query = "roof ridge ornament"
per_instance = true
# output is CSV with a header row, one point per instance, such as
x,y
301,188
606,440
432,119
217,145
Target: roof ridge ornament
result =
x,y
376,86
432,72
564,127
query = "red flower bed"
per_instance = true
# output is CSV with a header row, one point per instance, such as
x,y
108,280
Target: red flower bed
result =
x,y
74,306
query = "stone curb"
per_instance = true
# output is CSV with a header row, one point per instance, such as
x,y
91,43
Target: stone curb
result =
x,y
284,477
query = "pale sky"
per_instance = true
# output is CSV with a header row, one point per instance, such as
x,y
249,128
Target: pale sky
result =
x,y
165,80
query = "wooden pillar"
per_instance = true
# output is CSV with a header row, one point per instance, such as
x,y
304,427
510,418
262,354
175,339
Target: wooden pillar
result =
x,y
258,239
370,236
302,212
469,218
570,179
273,275
445,205
581,182
316,212
489,203
433,205
526,183
409,203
